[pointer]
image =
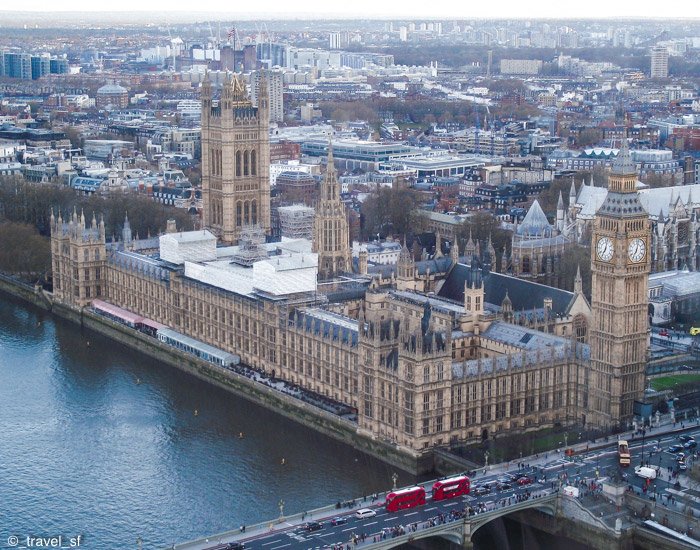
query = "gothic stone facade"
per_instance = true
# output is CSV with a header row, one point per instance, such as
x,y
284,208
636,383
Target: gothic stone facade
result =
x,y
235,159
421,371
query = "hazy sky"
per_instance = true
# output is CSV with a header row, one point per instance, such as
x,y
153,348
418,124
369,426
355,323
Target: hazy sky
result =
x,y
453,9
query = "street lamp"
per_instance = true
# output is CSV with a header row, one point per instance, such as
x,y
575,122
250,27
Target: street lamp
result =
x,y
394,479
644,431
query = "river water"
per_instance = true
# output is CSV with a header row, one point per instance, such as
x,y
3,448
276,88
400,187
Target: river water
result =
x,y
99,441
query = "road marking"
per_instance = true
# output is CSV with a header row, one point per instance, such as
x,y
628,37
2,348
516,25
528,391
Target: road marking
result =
x,y
390,519
430,509
348,529
411,514
271,542
453,504
283,546
372,523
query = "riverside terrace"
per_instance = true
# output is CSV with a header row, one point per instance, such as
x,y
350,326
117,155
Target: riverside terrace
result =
x,y
588,517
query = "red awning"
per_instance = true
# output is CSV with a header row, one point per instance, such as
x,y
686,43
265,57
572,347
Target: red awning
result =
x,y
127,316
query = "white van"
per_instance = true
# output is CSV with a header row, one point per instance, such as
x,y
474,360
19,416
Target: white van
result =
x,y
644,472
363,513
571,491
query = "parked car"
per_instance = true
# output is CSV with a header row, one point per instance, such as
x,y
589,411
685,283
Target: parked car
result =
x,y
339,521
673,449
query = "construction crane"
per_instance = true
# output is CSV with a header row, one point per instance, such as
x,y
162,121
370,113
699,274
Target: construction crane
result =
x,y
172,44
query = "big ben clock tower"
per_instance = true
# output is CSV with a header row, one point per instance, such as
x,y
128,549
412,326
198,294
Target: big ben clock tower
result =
x,y
620,267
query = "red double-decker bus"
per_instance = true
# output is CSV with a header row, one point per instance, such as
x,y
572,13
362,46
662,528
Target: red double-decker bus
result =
x,y
405,498
450,488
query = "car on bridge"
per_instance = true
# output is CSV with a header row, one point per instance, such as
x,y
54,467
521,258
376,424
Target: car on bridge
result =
x,y
312,526
685,438
690,444
338,521
524,480
363,513
479,490
673,449
663,332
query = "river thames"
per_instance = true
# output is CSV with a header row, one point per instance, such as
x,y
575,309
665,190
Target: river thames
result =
x,y
100,441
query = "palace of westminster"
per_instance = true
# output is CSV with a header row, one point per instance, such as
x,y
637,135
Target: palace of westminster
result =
x,y
440,351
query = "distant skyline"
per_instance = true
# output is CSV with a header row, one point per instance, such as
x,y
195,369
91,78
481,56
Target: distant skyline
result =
x,y
388,9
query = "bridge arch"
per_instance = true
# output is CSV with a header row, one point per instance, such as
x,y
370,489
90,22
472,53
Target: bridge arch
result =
x,y
546,505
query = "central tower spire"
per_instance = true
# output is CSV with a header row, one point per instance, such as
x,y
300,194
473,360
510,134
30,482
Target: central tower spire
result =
x,y
331,232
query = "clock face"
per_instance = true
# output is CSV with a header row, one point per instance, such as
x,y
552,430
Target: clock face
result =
x,y
604,249
636,250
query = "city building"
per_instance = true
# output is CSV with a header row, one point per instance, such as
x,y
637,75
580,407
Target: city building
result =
x,y
659,62
674,297
521,66
275,91
113,96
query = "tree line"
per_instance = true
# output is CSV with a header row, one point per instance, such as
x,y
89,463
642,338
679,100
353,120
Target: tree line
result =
x,y
23,251
32,203
25,220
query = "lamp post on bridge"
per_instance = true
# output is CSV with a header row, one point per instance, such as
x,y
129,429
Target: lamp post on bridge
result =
x,y
394,479
281,505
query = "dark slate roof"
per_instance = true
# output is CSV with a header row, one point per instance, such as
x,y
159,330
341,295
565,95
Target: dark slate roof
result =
x,y
523,294
437,265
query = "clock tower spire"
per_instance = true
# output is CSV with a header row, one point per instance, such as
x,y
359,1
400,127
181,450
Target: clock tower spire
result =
x,y
620,268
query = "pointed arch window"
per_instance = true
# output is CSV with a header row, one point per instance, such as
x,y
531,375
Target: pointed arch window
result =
x,y
254,212
239,217
253,163
238,163
246,163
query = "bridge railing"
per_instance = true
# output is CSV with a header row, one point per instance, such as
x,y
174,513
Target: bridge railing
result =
x,y
282,523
